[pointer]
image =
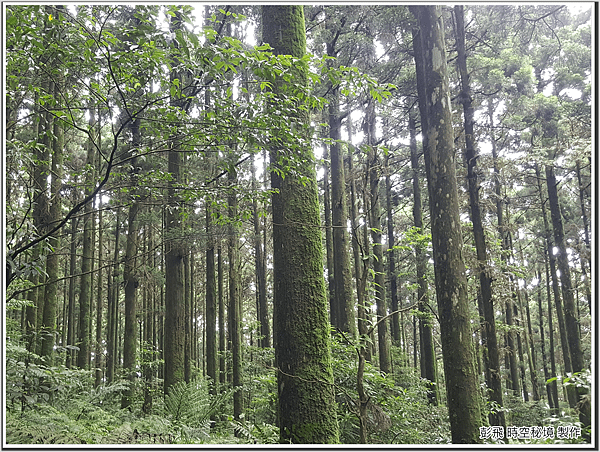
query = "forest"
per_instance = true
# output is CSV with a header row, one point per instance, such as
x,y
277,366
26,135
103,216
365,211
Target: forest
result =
x,y
292,224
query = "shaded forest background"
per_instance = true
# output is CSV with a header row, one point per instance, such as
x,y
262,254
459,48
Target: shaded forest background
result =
x,y
140,224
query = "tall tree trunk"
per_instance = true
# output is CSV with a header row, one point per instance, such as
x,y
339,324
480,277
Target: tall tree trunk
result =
x,y
586,237
149,356
130,278
564,344
260,270
98,346
235,299
220,296
451,283
71,328
333,311
85,291
510,353
187,316
307,412
571,319
394,319
344,298
383,339
175,250
554,384
490,344
360,263
211,301
48,326
130,282
112,309
426,317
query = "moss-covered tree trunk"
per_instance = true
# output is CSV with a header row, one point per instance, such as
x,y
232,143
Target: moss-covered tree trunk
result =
x,y
307,410
451,284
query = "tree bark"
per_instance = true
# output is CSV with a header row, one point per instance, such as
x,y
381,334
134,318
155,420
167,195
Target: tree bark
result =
x,y
85,292
211,301
394,319
490,343
175,250
301,328
375,165
426,317
131,283
571,320
235,300
451,284
360,263
343,296
564,344
48,326
260,269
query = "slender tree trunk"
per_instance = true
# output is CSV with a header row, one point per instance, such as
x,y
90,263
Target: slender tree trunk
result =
x,y
385,364
394,319
360,263
586,237
301,327
383,339
571,319
111,327
85,291
463,396
553,384
175,250
344,298
564,344
99,348
261,276
547,376
71,328
333,311
211,301
510,352
426,317
222,347
235,300
187,316
131,283
490,344
48,326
